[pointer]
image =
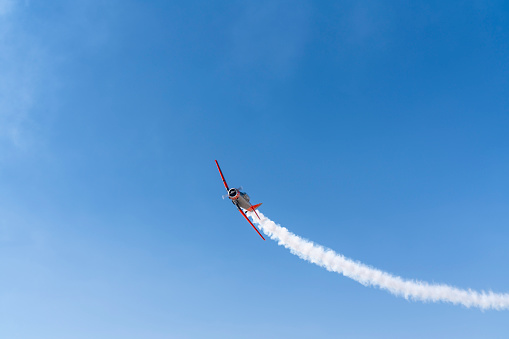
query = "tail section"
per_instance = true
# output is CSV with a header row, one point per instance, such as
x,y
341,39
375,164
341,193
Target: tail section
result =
x,y
254,207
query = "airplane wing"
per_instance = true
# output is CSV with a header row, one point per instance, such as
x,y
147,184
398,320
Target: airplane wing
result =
x,y
245,216
222,177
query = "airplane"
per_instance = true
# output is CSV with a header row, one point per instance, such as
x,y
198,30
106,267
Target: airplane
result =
x,y
241,200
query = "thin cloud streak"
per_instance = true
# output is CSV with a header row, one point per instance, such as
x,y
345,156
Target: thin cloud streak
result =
x,y
21,67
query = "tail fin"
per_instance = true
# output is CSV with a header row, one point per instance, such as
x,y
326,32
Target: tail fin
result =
x,y
254,207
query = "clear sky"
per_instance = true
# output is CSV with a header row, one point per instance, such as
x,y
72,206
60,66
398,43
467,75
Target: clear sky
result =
x,y
377,129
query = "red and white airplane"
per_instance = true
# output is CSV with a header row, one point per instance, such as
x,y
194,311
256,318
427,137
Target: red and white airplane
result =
x,y
241,200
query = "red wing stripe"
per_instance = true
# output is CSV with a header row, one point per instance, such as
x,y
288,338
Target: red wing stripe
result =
x,y
222,177
245,216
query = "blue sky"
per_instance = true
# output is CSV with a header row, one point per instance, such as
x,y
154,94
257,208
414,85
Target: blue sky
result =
x,y
379,130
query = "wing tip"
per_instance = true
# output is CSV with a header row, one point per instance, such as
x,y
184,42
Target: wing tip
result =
x,y
249,221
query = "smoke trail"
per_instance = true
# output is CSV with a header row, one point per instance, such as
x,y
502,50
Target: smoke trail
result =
x,y
368,276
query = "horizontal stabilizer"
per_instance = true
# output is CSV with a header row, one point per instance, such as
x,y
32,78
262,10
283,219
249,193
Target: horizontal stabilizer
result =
x,y
254,207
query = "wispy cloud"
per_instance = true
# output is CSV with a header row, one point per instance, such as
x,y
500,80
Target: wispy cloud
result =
x,y
6,7
21,66
34,47
271,35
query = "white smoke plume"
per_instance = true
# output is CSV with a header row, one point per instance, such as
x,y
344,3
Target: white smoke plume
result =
x,y
368,276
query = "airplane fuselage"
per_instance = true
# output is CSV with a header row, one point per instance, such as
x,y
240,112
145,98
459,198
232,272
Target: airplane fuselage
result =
x,y
238,198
